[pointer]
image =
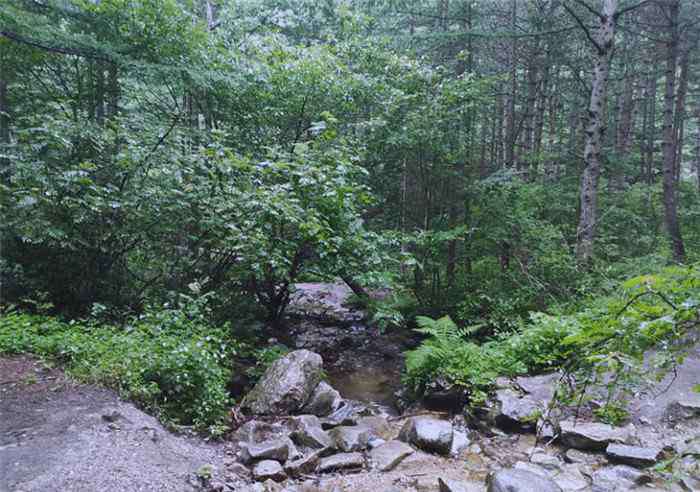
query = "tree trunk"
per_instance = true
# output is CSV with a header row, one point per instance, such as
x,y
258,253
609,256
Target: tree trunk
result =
x,y
4,125
604,41
697,146
669,144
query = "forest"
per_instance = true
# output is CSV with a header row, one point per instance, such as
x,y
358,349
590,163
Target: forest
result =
x,y
513,185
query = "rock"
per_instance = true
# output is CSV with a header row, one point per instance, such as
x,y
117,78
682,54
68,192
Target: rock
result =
x,y
350,439
511,480
546,461
272,486
111,416
216,486
579,457
237,470
286,385
277,449
342,461
447,485
516,412
590,435
619,477
460,442
304,465
690,447
377,425
255,431
323,401
375,442
268,469
633,455
683,409
428,434
307,431
344,415
570,479
387,456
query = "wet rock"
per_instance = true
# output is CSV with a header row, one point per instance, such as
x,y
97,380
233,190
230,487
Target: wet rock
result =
x,y
428,434
387,456
350,438
440,394
448,485
591,435
304,465
323,401
307,431
286,385
268,469
617,478
511,480
277,449
342,461
633,455
516,412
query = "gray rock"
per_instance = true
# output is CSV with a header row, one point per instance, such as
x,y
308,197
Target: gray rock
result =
x,y
546,461
255,431
304,465
349,439
237,470
683,409
448,485
272,486
690,447
346,414
307,431
570,479
460,442
590,435
579,457
375,442
633,455
387,456
617,478
511,480
377,425
516,412
277,449
342,461
268,469
323,401
286,385
428,434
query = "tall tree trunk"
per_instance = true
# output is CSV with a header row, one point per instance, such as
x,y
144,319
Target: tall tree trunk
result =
x,y
669,144
697,145
623,138
604,44
679,117
4,124
510,107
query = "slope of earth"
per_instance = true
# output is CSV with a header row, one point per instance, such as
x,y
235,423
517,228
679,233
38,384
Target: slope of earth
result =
x,y
59,436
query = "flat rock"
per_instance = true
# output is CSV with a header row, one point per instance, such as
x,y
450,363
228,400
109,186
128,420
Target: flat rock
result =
x,y
307,431
633,455
268,469
277,450
388,455
286,385
350,438
582,458
428,434
323,401
342,461
591,436
512,480
617,478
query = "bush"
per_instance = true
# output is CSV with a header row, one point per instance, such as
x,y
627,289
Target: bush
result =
x,y
168,361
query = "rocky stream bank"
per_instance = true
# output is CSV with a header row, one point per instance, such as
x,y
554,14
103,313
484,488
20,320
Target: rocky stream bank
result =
x,y
325,418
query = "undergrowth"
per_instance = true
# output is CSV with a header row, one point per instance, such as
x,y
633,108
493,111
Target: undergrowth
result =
x,y
170,360
602,345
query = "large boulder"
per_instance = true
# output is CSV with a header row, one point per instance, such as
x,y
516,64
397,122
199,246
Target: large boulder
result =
x,y
512,480
350,438
428,434
591,436
286,385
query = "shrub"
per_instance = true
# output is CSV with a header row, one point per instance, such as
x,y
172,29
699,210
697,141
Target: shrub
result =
x,y
167,361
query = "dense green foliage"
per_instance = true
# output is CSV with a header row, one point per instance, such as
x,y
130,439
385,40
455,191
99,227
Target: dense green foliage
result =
x,y
605,343
169,360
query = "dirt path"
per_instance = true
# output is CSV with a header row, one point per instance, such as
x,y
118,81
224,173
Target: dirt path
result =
x,y
59,436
